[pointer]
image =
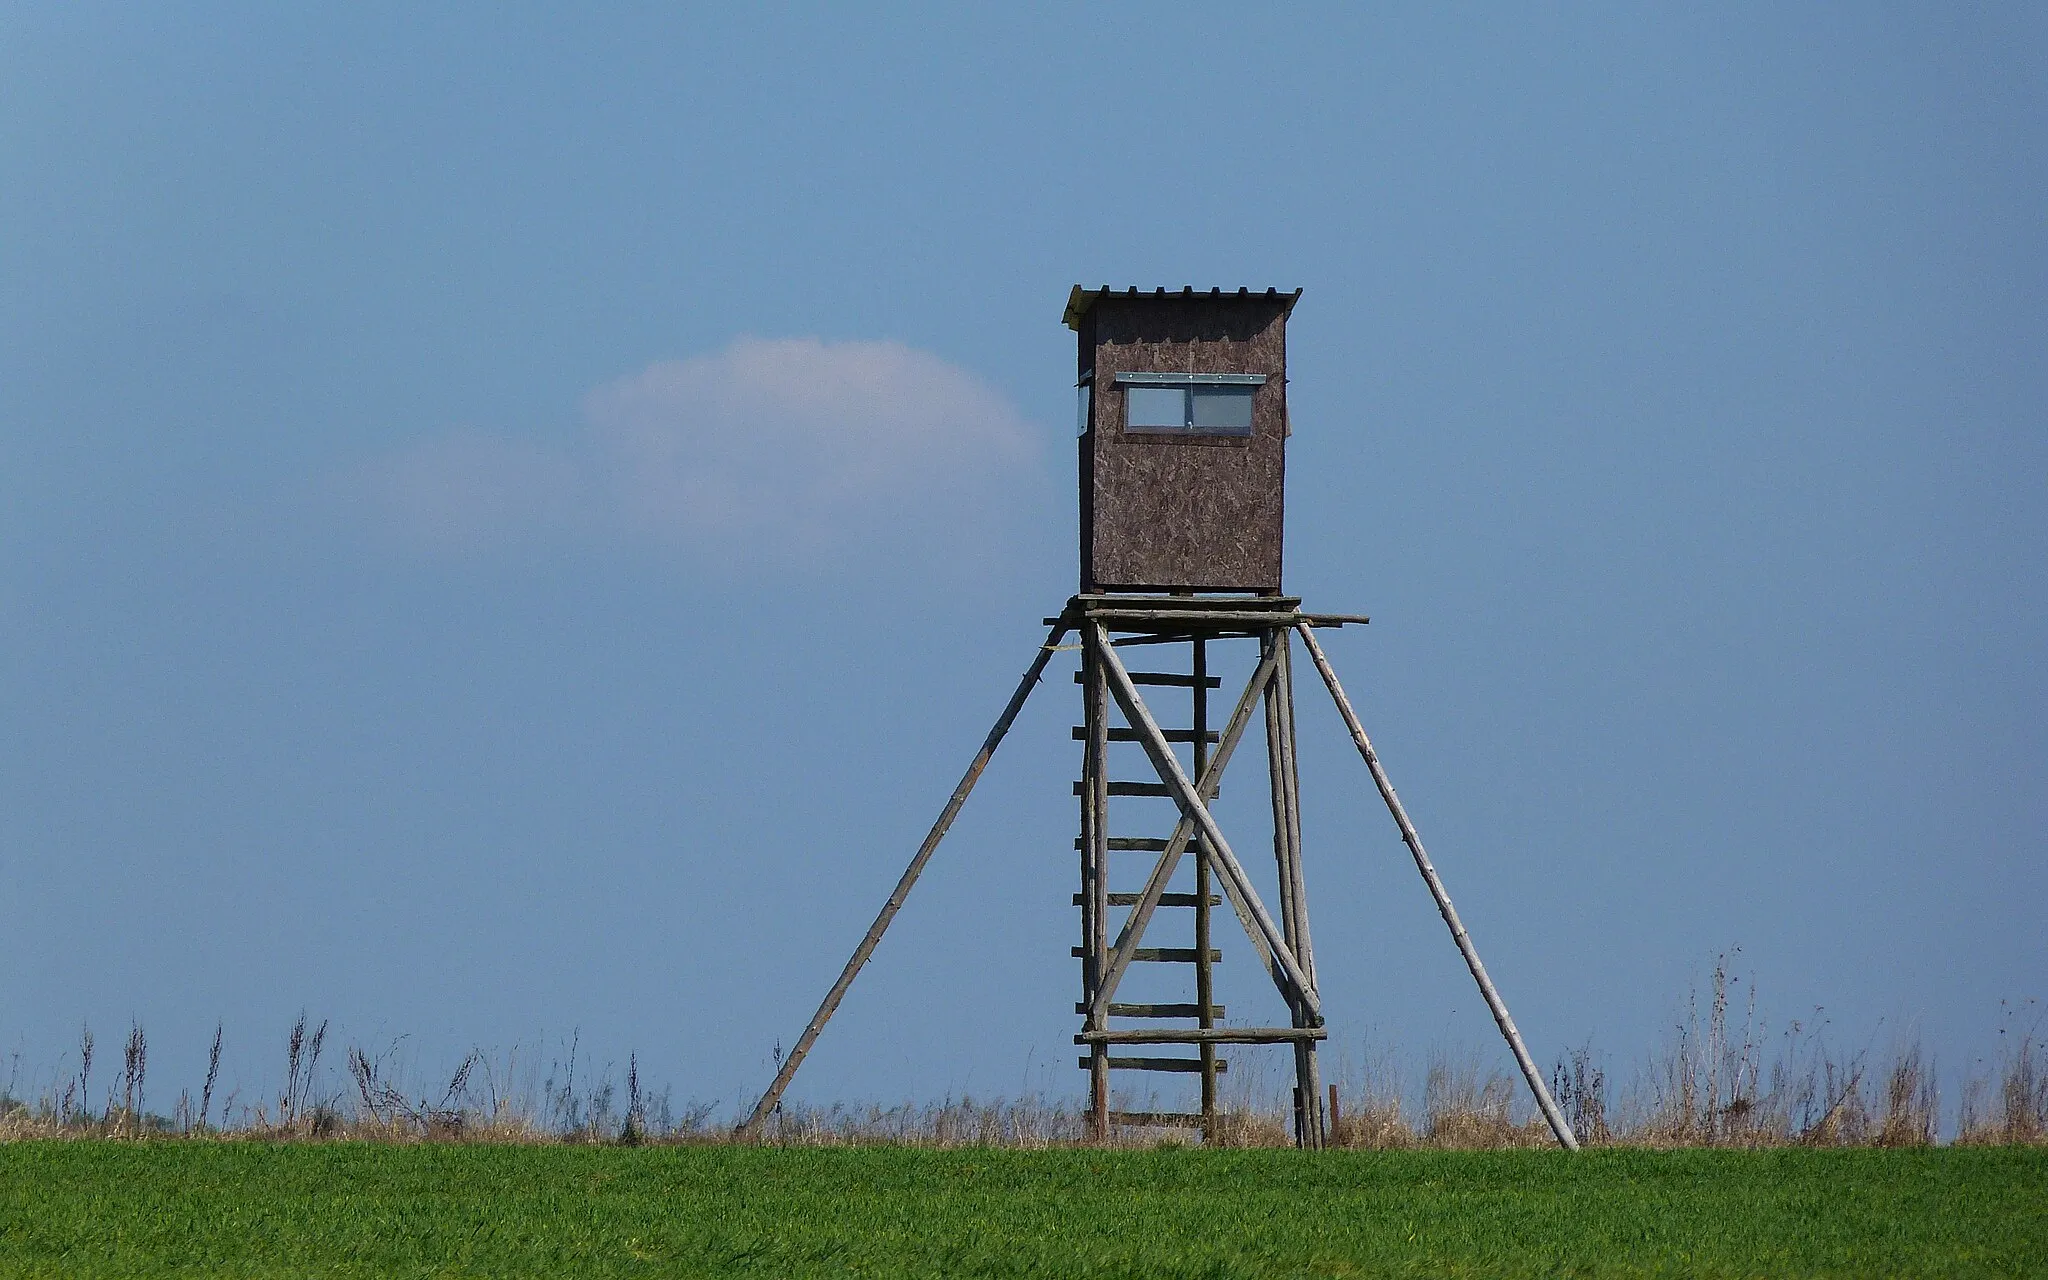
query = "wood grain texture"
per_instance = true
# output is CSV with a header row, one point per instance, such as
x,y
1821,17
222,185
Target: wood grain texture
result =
x,y
1184,512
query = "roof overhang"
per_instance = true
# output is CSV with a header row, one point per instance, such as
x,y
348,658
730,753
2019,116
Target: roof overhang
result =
x,y
1082,298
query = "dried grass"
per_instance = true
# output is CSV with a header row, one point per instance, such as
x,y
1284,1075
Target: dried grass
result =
x,y
1718,1081
2016,1112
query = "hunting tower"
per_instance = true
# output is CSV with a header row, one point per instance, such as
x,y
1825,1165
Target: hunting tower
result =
x,y
1183,419
1183,428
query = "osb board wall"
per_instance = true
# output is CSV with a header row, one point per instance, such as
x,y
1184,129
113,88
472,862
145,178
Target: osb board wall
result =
x,y
1165,512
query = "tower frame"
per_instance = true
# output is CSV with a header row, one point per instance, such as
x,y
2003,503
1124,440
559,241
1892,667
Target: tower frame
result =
x,y
1181,522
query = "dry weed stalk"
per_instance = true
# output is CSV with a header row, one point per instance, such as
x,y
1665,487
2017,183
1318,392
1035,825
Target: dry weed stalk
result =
x,y
134,1069
298,1108
212,1075
1706,1089
1911,1107
84,1074
2018,1113
2023,1097
1580,1088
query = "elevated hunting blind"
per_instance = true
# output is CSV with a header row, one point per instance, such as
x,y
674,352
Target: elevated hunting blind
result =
x,y
1183,436
1183,415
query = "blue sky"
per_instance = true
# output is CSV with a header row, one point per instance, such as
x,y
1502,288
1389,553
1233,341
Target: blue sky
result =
x,y
512,522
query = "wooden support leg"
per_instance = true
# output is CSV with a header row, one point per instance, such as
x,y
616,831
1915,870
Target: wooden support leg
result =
x,y
1205,984
1312,1131
1095,803
773,1097
1286,785
1410,837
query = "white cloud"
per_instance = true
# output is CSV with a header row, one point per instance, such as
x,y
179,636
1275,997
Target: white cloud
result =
x,y
768,446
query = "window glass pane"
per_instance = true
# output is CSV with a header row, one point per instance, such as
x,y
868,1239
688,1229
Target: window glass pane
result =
x,y
1156,408
1086,401
1223,410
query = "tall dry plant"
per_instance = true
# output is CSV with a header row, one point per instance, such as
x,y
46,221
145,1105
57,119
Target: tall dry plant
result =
x,y
1706,1086
1580,1089
632,1134
1912,1109
212,1075
1831,1106
134,1069
2018,1111
298,1107
2023,1096
84,1072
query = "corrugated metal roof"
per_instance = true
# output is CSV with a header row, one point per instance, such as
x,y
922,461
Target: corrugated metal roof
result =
x,y
1083,298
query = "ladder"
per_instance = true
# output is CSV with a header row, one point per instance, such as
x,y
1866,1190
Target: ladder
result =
x,y
1109,916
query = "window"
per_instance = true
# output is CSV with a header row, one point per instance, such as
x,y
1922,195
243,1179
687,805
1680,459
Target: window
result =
x,y
1203,404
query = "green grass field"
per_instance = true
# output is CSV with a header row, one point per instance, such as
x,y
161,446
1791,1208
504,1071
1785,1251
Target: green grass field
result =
x,y
98,1208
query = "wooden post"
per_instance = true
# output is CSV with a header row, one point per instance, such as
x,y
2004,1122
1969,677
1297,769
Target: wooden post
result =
x,y
1276,765
1413,840
773,1097
1205,985
1290,784
1307,1067
1286,800
1096,773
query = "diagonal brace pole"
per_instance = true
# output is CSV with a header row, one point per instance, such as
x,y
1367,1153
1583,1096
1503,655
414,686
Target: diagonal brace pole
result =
x,y
1183,831
1413,840
769,1100
1192,807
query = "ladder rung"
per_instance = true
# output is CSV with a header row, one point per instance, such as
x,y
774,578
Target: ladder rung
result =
x,y
1131,735
1160,1064
1140,789
1156,1010
1201,1035
1129,844
1166,678
1135,789
1162,955
1157,1119
1165,900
